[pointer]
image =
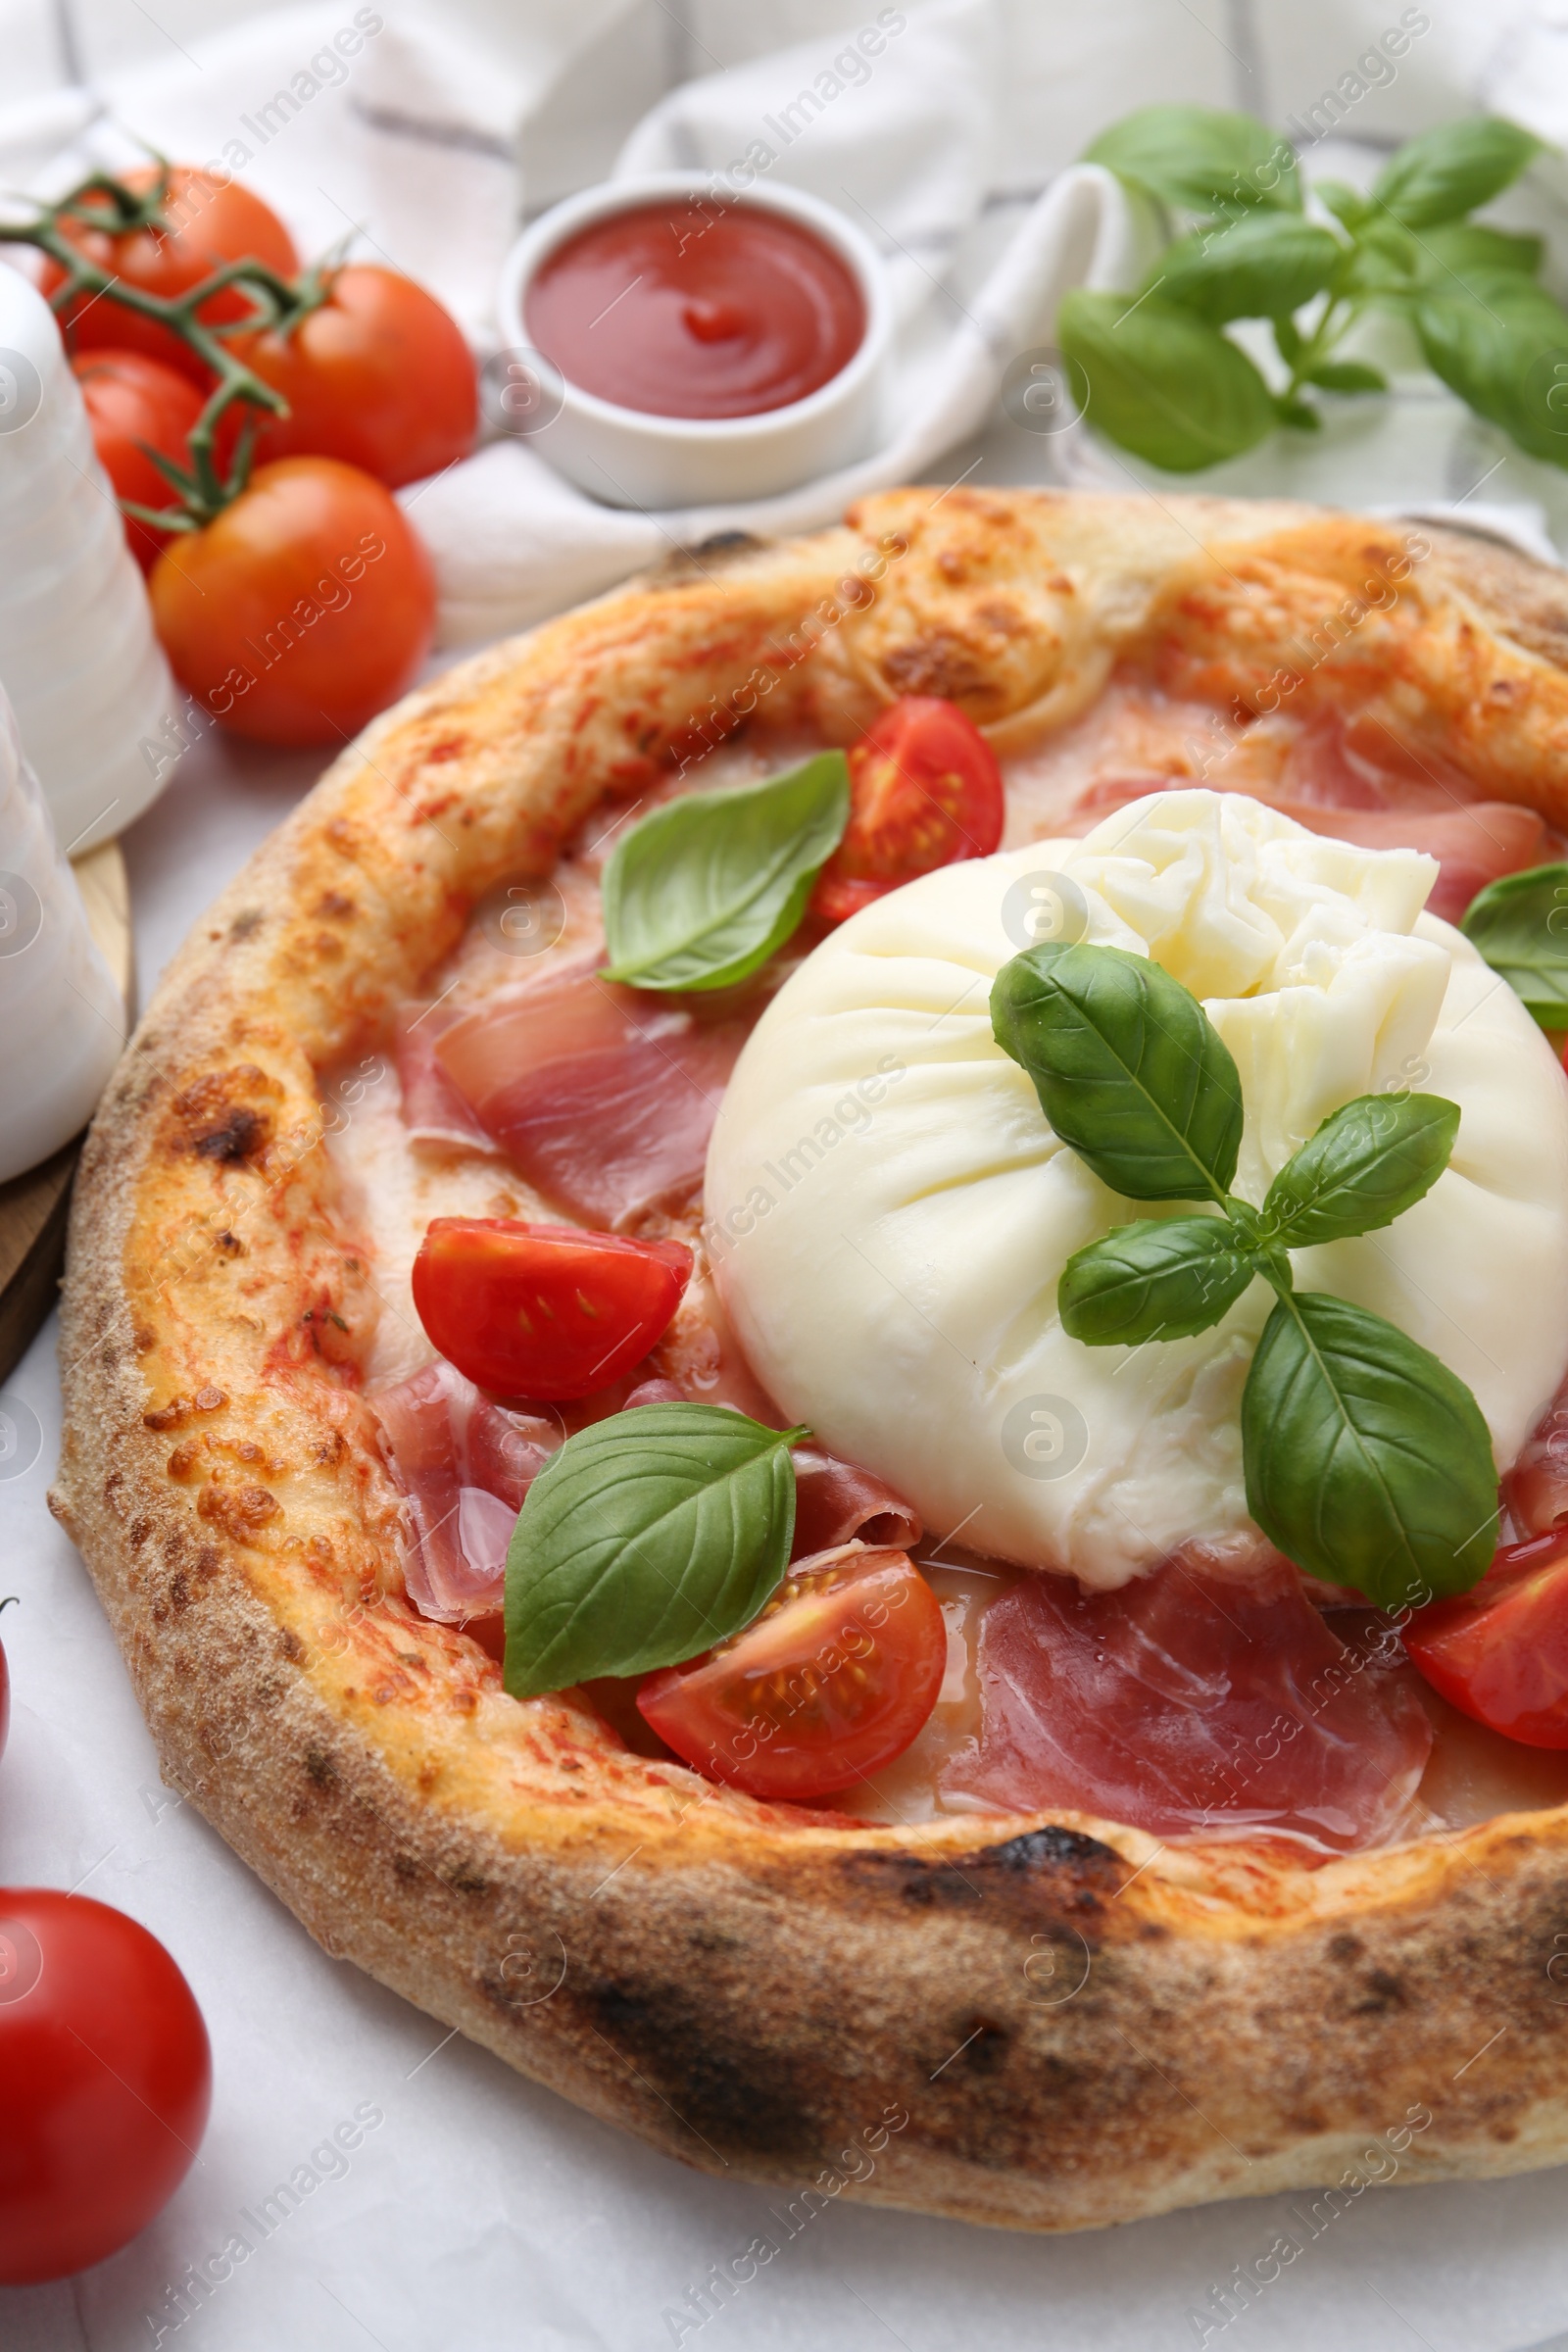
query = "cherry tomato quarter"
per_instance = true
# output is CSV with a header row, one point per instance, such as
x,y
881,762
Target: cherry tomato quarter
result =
x,y
104,2081
208,222
378,375
924,791
1500,1652
831,1682
302,609
544,1311
136,404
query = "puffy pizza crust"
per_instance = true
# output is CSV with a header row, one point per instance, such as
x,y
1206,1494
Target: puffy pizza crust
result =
x,y
1080,2025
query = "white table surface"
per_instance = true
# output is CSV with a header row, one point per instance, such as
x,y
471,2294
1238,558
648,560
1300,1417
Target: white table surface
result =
x,y
483,2214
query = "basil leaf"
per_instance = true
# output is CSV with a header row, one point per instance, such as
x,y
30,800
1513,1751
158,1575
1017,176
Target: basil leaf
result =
x,y
1464,249
647,1539
1347,205
1369,1161
1262,265
1200,159
1346,375
1367,1462
1161,382
1452,168
709,886
1520,925
1500,344
1161,1279
1129,1070
1299,415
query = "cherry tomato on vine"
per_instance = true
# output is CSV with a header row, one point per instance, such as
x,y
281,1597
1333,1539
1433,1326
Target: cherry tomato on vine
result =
x,y
546,1311
302,609
378,375
211,221
136,404
1500,1652
924,791
834,1680
104,2081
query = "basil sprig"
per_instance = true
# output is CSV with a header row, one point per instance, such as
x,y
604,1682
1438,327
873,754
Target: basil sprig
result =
x,y
1520,925
1367,1461
1152,368
649,1536
709,886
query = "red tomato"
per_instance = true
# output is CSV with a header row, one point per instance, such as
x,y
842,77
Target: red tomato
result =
x,y
136,404
208,222
104,2081
1500,1652
302,609
832,1682
924,791
544,1310
380,377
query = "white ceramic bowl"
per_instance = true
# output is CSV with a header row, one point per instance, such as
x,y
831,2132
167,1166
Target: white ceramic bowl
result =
x,y
629,458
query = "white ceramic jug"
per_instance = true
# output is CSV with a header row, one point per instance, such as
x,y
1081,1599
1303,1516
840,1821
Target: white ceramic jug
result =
x,y
88,683
62,1017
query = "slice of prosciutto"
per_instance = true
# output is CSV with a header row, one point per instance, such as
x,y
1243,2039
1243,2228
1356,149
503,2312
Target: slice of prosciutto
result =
x,y
838,1503
463,1465
433,1111
1194,1705
602,1097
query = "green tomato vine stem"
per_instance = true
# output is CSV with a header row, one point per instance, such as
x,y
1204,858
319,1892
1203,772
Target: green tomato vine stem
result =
x,y
277,306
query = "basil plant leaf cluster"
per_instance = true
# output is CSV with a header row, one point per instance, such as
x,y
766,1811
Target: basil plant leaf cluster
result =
x,y
649,1538
1154,370
1367,1461
706,887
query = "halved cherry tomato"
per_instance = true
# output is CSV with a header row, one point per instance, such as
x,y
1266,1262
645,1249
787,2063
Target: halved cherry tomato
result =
x,y
302,609
832,1682
106,2077
136,404
1500,1652
379,375
924,791
544,1310
210,222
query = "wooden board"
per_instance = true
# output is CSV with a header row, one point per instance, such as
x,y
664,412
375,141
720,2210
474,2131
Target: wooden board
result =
x,y
33,1208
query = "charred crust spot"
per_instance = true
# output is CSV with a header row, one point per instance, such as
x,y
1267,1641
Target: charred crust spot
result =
x,y
319,1767
1346,1948
1383,1993
469,1882
229,1243
404,1867
984,2048
246,923
731,2091
333,906
180,1591
236,1137
1047,1849
140,1534
289,1643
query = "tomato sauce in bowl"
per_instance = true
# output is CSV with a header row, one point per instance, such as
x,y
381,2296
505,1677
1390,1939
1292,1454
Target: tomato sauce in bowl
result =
x,y
679,313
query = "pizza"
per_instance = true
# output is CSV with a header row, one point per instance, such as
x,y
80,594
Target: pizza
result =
x,y
1146,1869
